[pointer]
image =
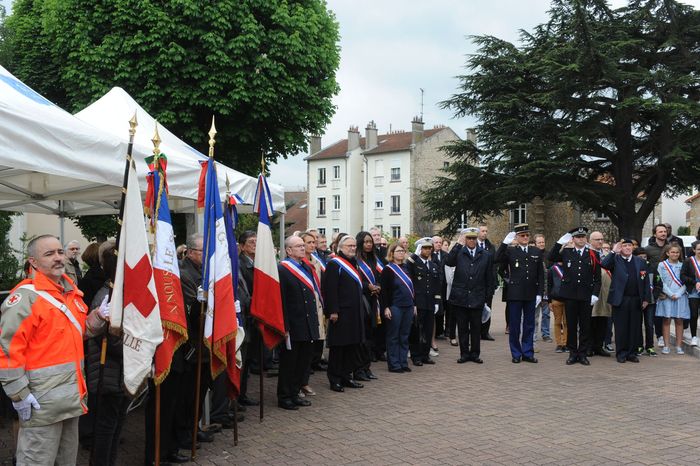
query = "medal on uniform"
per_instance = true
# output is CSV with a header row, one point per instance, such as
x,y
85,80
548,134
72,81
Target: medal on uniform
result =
x,y
517,264
568,265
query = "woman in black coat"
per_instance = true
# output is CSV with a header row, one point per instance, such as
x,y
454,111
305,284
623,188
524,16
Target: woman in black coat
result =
x,y
342,293
367,266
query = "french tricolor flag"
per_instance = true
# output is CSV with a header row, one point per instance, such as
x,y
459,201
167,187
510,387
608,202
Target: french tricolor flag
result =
x,y
266,303
220,325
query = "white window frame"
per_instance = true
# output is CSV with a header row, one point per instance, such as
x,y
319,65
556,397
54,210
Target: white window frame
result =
x,y
336,172
321,176
395,231
336,201
321,208
394,211
397,178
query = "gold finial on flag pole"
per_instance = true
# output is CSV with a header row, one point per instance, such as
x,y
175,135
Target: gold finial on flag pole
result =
x,y
156,142
212,135
262,161
228,185
132,125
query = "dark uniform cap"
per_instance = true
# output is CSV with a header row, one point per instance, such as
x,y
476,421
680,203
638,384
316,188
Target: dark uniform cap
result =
x,y
627,241
579,231
521,228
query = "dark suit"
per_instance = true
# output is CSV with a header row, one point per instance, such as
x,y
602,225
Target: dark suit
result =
x,y
581,281
301,322
473,285
627,292
342,295
438,258
525,283
488,246
426,282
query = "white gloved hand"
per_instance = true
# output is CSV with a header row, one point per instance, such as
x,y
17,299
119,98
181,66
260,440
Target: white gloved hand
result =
x,y
24,407
594,299
437,308
538,300
103,311
565,239
238,306
200,294
510,237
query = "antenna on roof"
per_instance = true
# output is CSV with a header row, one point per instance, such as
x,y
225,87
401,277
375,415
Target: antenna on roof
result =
x,y
422,92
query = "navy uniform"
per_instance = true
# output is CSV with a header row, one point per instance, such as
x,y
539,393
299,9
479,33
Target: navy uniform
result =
x,y
525,289
426,283
580,287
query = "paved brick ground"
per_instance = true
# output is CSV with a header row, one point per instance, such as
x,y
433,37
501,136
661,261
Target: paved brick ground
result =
x,y
495,413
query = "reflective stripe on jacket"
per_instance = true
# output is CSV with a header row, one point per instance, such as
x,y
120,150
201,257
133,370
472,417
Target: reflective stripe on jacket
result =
x,y
41,348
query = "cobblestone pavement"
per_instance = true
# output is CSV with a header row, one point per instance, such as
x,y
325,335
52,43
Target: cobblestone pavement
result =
x,y
495,413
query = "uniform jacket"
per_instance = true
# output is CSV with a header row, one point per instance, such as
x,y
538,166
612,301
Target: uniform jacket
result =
x,y
473,283
615,263
298,305
526,272
579,282
426,282
342,295
191,280
41,348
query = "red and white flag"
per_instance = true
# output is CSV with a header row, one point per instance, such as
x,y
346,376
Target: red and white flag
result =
x,y
134,310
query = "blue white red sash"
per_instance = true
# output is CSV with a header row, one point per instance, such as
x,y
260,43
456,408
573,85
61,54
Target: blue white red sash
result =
x,y
317,282
366,271
403,277
297,271
320,261
673,275
696,266
379,267
348,267
558,270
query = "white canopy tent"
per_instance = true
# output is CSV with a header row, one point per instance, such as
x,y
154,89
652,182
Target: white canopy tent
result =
x,y
111,114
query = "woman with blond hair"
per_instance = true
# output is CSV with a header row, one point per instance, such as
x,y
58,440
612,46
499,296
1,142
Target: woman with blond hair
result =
x,y
673,303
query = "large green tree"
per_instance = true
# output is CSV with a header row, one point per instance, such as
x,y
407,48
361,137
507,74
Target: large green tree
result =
x,y
597,106
266,69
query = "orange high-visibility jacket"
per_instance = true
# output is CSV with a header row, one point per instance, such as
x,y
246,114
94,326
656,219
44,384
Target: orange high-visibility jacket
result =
x,y
41,348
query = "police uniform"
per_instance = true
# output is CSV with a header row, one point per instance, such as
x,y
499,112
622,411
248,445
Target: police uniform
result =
x,y
426,283
581,281
525,284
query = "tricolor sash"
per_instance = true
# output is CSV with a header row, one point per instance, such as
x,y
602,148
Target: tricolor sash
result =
x,y
403,277
297,271
317,282
349,268
379,267
669,269
366,271
696,266
320,261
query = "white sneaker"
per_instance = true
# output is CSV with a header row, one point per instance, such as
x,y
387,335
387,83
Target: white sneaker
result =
x,y
660,342
665,350
433,353
679,350
694,341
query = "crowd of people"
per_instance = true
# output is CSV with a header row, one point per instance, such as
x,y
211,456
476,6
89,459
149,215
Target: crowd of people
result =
x,y
356,302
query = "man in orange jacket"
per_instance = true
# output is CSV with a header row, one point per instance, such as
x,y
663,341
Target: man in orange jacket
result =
x,y
42,326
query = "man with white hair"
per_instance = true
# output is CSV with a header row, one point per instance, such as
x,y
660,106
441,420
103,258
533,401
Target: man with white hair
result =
x,y
72,249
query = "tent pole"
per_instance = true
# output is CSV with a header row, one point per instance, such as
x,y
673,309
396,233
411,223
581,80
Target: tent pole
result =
x,y
281,248
61,223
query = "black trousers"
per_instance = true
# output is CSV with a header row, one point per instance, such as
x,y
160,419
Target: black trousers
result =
x,y
440,320
379,339
108,429
469,330
648,317
171,393
599,327
342,362
694,305
293,365
185,409
316,356
451,321
627,318
578,326
421,337
486,326
220,401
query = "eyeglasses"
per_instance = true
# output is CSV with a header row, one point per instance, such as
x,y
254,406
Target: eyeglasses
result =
x,y
399,250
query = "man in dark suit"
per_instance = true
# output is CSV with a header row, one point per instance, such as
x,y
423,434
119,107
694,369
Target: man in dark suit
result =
x,y
438,257
473,285
483,242
426,283
579,289
251,356
525,290
298,290
629,296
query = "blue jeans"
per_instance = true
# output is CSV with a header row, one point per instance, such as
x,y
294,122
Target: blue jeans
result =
x,y
542,317
521,312
398,328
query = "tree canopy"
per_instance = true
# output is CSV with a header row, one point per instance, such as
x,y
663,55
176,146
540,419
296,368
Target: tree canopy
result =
x,y
265,69
598,106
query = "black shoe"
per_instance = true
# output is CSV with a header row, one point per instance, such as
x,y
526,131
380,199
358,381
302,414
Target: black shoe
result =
x,y
225,424
633,358
336,387
621,360
188,446
477,360
177,458
301,401
287,404
531,359
213,428
463,359
370,375
417,362
205,437
571,360
361,377
428,361
584,360
601,352
396,371
406,369
245,401
352,384
515,360
590,353
320,367
559,349
488,337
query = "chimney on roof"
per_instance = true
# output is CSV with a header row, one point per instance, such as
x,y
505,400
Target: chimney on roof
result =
x,y
314,144
353,138
371,135
471,135
417,126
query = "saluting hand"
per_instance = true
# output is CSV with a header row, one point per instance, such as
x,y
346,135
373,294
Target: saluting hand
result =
x,y
617,247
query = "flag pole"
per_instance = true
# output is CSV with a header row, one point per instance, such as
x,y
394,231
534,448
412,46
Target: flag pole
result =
x,y
103,345
202,313
262,349
156,154
235,401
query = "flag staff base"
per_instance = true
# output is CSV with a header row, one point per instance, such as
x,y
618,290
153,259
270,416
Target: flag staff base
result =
x,y
235,423
195,425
